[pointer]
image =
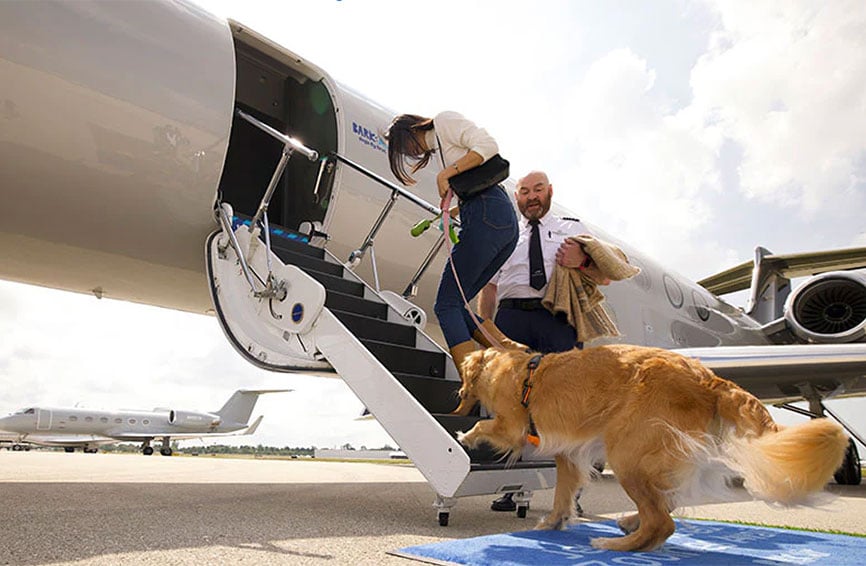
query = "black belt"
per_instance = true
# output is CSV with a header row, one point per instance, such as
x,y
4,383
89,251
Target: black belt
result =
x,y
521,304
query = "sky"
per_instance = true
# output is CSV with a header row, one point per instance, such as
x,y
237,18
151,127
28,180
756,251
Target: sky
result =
x,y
695,130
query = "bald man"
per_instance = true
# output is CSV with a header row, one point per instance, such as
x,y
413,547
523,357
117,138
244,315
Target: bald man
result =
x,y
521,282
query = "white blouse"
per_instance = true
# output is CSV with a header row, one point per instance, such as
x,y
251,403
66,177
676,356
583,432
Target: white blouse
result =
x,y
458,136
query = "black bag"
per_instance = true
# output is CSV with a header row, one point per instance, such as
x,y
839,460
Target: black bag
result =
x,y
469,183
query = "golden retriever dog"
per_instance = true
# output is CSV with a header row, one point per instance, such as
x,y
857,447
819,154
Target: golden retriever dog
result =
x,y
669,428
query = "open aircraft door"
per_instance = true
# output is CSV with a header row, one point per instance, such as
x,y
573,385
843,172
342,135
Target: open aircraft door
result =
x,y
266,309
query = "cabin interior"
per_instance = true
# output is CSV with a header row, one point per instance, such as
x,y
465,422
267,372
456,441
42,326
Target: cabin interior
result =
x,y
283,97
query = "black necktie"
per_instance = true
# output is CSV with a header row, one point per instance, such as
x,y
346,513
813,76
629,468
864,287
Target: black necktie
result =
x,y
537,278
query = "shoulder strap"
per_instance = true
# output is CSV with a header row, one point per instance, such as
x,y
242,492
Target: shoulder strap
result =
x,y
441,153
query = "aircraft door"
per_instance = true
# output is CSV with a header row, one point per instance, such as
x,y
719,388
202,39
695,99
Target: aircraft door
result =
x,y
43,419
267,309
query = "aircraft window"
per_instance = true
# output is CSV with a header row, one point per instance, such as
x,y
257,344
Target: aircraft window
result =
x,y
701,306
118,420
145,421
88,419
29,411
131,421
103,419
73,419
673,291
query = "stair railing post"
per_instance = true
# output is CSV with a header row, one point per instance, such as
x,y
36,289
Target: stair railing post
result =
x,y
412,288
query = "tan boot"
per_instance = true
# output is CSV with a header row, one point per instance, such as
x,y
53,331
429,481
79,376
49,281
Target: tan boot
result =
x,y
458,354
491,329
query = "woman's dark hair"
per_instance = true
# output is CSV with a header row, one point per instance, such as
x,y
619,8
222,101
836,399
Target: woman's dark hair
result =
x,y
402,144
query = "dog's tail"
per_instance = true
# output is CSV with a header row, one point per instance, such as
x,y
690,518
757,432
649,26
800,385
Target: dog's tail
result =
x,y
792,464
778,464
787,465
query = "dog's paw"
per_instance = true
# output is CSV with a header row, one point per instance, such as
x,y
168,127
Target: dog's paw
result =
x,y
603,543
467,439
551,523
629,524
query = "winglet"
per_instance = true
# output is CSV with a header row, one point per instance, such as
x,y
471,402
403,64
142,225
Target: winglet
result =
x,y
252,428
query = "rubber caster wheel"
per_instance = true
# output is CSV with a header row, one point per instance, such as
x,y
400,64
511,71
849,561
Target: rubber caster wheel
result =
x,y
443,519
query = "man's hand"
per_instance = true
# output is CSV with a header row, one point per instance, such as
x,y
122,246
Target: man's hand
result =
x,y
570,254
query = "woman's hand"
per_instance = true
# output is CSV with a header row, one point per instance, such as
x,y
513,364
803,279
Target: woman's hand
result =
x,y
442,182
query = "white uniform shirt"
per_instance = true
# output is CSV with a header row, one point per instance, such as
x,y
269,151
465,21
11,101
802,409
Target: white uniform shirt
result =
x,y
512,279
458,136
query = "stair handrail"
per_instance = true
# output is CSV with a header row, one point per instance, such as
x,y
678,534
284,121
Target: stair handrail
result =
x,y
396,191
290,145
272,287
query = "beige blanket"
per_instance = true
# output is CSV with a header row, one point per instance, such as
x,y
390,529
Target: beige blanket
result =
x,y
575,292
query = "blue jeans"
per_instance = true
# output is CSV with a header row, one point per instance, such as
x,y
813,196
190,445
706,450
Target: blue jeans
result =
x,y
488,235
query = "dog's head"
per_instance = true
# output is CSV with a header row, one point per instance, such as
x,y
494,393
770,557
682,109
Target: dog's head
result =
x,y
471,370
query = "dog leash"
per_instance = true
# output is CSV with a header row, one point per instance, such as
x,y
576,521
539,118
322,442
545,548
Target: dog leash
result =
x,y
532,437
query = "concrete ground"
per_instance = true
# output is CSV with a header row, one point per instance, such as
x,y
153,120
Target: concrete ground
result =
x,y
107,509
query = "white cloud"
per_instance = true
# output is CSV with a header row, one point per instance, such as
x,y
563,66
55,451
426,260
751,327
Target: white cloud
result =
x,y
788,83
642,168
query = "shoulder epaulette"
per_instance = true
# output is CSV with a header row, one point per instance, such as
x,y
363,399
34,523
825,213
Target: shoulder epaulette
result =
x,y
570,218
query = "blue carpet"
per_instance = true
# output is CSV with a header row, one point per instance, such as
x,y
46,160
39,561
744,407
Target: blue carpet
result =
x,y
695,542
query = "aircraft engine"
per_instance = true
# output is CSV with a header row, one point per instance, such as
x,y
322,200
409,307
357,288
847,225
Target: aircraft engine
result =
x,y
829,308
189,420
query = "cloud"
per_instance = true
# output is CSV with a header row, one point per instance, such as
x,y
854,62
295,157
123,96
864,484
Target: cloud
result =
x,y
787,82
639,166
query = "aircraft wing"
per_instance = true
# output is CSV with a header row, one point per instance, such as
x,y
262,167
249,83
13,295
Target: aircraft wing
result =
x,y
76,440
789,372
188,436
739,277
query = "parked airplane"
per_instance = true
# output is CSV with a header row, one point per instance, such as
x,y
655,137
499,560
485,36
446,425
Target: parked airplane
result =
x,y
134,134
74,427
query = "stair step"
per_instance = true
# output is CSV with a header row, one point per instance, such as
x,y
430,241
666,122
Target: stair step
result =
x,y
402,359
437,395
334,283
284,238
340,302
307,262
377,329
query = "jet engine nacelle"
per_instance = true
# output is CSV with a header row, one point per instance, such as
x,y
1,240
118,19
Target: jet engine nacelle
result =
x,y
829,308
187,419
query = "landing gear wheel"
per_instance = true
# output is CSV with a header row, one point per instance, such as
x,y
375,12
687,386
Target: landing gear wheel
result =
x,y
68,449
521,511
849,473
147,450
165,451
443,519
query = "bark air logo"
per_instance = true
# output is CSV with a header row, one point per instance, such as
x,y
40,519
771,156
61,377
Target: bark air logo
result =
x,y
369,138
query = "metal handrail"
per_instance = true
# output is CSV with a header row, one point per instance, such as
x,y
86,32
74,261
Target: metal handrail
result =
x,y
307,152
356,256
382,181
290,145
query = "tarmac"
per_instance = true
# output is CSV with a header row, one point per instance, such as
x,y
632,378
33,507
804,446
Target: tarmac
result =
x,y
108,509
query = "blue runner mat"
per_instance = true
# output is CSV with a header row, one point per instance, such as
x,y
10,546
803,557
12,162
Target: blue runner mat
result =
x,y
694,542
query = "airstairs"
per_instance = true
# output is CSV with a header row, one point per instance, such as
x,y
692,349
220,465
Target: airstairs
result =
x,y
286,305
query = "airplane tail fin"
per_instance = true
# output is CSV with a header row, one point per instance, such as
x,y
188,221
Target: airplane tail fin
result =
x,y
240,405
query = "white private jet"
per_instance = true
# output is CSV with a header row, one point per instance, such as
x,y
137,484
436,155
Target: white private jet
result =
x,y
75,427
152,152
